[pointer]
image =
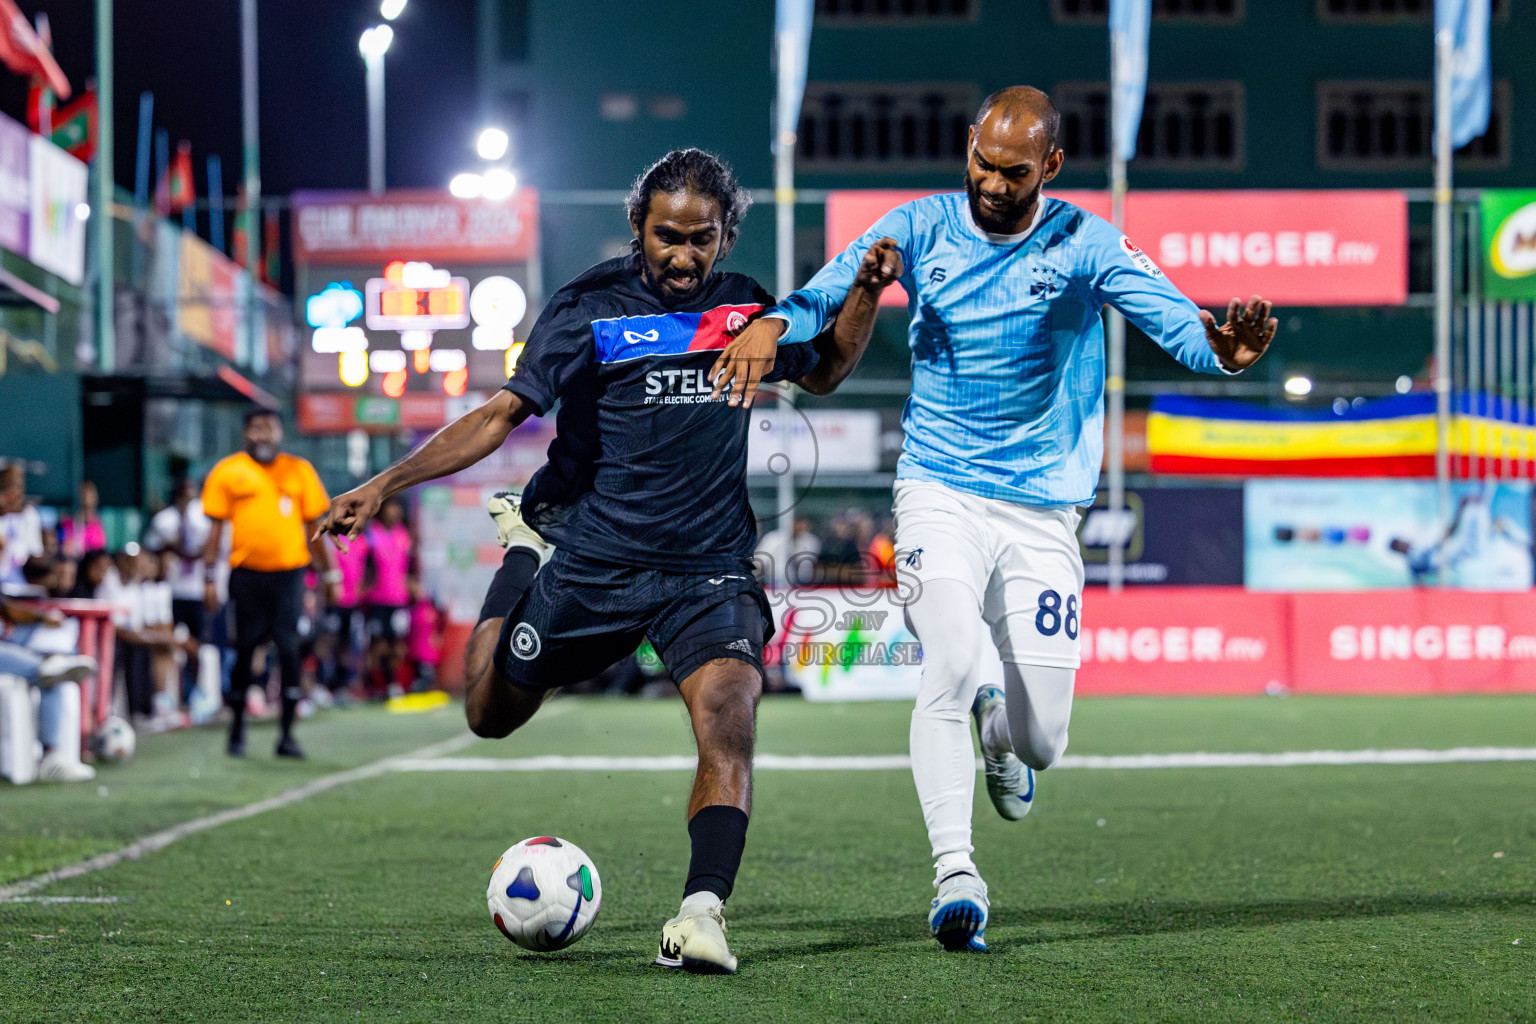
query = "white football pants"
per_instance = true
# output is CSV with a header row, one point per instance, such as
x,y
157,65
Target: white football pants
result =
x,y
993,591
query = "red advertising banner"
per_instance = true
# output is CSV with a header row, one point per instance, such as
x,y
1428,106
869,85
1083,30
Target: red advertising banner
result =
x,y
1313,248
1414,641
1182,641
353,228
1341,248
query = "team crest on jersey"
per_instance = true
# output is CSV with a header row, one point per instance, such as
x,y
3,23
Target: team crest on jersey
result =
x,y
525,642
1142,261
735,320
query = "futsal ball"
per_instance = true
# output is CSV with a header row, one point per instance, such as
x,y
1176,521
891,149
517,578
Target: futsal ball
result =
x,y
113,740
544,893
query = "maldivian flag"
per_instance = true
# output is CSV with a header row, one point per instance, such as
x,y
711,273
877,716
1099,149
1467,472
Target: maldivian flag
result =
x,y
74,127
176,192
1386,437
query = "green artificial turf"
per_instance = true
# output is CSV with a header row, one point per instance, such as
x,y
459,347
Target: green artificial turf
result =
x,y
1245,894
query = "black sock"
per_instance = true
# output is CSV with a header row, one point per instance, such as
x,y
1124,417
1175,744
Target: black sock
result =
x,y
719,835
237,721
510,583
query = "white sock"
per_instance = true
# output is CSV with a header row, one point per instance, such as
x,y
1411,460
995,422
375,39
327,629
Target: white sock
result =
x,y
944,771
707,900
950,863
947,621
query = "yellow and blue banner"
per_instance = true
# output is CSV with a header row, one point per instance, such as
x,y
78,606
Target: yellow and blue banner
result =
x,y
1389,437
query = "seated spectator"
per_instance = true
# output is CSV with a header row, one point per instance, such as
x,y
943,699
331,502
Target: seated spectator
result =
x,y
21,529
804,551
146,641
92,574
843,556
82,531
46,672
178,533
882,552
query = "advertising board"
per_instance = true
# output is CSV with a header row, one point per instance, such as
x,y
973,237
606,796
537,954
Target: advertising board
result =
x,y
1363,534
1311,248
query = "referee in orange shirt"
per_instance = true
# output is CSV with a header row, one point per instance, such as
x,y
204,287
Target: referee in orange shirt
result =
x,y
269,499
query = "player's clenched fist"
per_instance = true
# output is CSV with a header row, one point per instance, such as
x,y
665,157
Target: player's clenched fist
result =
x,y
880,267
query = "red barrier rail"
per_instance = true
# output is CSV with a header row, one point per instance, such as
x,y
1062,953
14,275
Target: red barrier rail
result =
x,y
98,639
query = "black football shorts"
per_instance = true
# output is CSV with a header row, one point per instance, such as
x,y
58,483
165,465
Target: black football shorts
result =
x,y
581,615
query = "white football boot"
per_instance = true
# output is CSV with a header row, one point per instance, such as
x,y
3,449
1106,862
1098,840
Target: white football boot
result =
x,y
1010,782
959,915
506,511
695,941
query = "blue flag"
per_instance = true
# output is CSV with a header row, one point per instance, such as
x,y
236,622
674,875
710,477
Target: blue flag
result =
x,y
792,47
1130,24
1471,77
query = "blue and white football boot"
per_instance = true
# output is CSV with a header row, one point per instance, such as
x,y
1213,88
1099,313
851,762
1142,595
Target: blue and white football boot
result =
x,y
1010,782
959,915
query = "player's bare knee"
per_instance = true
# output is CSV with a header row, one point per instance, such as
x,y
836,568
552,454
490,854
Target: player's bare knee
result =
x,y
487,722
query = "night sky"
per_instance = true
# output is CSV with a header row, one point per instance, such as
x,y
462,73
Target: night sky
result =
x,y
313,113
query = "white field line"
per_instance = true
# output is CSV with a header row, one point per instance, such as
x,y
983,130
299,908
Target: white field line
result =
x,y
891,762
165,837
431,759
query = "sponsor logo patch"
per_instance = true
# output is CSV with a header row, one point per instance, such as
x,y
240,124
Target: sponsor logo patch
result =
x,y
525,642
1142,261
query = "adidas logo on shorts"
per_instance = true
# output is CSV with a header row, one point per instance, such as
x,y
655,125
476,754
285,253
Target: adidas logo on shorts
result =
x,y
744,646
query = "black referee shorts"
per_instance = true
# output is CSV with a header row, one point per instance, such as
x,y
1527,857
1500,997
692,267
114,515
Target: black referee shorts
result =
x,y
582,616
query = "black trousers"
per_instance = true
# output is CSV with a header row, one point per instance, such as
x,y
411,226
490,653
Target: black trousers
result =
x,y
192,615
267,607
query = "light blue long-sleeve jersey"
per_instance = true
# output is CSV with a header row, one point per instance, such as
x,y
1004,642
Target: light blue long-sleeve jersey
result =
x,y
1007,344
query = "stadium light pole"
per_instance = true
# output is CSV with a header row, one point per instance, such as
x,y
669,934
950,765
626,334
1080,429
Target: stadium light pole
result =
x,y
373,45
1444,55
106,303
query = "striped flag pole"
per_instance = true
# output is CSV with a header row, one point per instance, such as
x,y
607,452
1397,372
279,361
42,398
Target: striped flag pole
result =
x,y
1463,102
1130,23
791,52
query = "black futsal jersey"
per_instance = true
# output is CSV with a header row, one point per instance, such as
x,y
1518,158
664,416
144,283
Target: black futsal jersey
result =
x,y
644,470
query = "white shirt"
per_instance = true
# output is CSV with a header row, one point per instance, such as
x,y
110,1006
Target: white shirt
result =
x,y
126,599
22,533
803,549
167,532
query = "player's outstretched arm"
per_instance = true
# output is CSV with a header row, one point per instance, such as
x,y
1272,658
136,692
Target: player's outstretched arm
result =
x,y
457,446
842,346
1245,336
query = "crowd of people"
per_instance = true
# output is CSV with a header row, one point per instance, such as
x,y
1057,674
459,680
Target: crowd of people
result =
x,y
855,549
370,633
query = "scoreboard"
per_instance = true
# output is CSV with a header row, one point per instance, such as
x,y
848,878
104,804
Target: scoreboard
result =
x,y
416,297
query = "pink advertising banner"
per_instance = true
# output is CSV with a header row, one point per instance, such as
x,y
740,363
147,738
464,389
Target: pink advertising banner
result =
x,y
1296,248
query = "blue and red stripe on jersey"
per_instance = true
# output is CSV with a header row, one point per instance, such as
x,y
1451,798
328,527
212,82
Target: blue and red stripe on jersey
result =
x,y
622,338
